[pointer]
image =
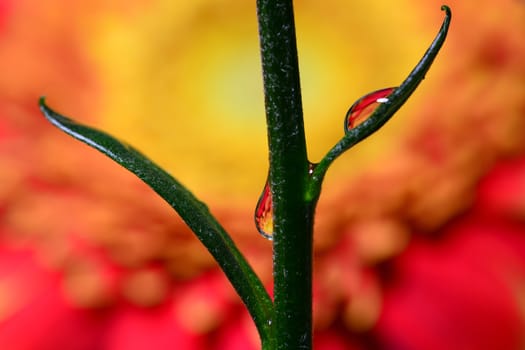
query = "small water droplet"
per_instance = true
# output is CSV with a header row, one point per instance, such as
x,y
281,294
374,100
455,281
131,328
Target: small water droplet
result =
x,y
365,106
311,167
264,209
264,213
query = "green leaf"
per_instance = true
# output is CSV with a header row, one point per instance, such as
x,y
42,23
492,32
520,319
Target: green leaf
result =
x,y
384,112
191,210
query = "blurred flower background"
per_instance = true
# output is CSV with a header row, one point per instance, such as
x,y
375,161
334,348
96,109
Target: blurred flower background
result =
x,y
420,230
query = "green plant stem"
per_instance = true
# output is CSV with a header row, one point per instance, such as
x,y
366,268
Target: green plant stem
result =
x,y
293,215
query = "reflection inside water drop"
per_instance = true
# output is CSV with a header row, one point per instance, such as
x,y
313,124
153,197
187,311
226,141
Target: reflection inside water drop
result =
x,y
264,209
365,106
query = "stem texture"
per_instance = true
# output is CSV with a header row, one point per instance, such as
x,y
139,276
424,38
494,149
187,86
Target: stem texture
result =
x,y
293,215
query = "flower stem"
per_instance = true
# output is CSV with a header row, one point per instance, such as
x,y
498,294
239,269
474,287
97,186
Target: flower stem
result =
x,y
292,213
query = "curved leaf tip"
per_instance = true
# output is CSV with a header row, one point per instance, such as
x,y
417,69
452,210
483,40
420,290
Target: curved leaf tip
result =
x,y
191,210
382,109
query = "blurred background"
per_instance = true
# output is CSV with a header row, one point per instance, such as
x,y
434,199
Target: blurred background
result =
x,y
420,230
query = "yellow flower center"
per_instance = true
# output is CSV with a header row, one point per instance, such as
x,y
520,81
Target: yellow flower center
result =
x,y
185,84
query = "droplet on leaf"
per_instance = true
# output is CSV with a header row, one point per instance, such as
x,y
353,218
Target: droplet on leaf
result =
x,y
365,106
264,209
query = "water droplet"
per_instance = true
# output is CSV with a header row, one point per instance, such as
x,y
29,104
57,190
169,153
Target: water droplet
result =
x,y
311,168
264,209
264,213
365,106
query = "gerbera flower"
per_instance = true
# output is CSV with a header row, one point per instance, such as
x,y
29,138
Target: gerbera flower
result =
x,y
419,232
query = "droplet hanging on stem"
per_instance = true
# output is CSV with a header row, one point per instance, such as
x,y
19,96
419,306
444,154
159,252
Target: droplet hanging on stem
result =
x,y
264,209
365,107
264,213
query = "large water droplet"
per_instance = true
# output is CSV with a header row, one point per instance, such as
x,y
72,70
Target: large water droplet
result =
x,y
264,209
365,106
